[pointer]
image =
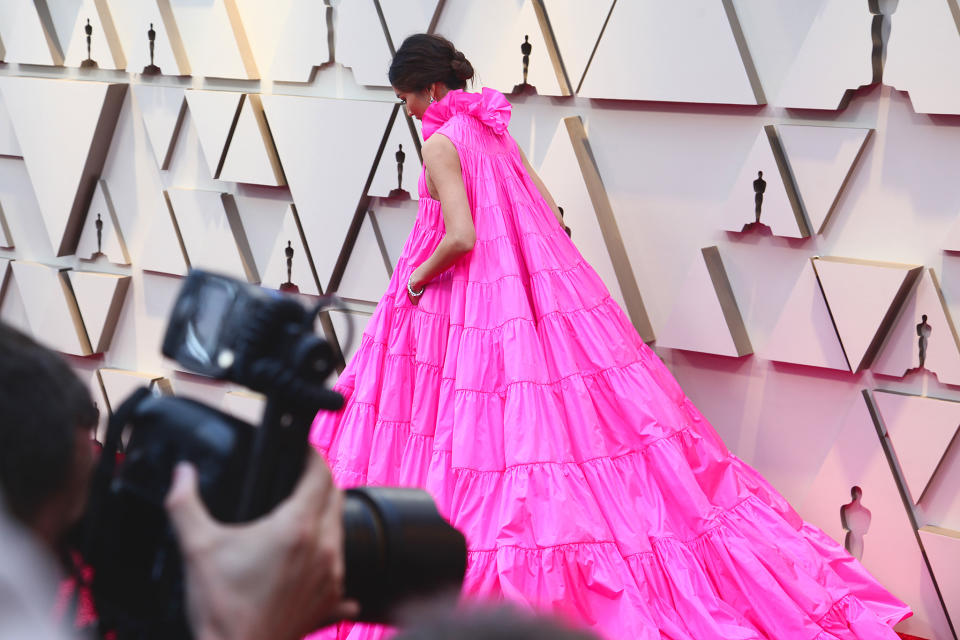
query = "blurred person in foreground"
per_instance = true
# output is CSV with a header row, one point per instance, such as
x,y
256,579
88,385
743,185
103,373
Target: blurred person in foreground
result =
x,y
278,577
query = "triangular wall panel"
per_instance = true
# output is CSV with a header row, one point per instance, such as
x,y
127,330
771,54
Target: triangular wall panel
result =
x,y
765,170
361,43
864,297
836,56
392,221
163,249
804,332
326,166
251,157
407,17
385,177
100,298
245,405
6,239
25,38
119,384
105,47
923,55
162,109
270,225
134,20
705,317
51,309
112,244
920,429
901,350
214,38
213,114
366,275
890,550
213,235
942,547
560,171
821,159
288,38
64,156
349,327
577,26
707,64
490,35
8,139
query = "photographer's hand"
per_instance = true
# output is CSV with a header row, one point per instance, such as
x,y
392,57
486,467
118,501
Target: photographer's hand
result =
x,y
278,577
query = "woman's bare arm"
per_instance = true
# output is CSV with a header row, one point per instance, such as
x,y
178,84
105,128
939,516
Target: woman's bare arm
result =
x,y
443,170
542,188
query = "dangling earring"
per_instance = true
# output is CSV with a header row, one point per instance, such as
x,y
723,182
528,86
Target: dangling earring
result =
x,y
431,99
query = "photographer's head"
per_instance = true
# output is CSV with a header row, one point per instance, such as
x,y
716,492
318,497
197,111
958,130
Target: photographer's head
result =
x,y
46,417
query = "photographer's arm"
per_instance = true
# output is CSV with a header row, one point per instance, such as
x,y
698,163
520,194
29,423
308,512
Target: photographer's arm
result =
x,y
279,577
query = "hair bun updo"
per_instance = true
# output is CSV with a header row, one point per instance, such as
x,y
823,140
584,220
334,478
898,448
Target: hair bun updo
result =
x,y
426,58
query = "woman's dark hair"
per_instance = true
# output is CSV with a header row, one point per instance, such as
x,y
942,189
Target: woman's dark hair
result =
x,y
425,58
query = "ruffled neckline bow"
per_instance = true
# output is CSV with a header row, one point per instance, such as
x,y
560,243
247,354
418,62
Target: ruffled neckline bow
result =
x,y
489,107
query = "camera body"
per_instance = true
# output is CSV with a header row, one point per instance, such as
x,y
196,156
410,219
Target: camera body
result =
x,y
396,544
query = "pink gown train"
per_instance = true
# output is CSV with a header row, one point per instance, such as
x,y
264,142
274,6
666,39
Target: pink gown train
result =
x,y
586,483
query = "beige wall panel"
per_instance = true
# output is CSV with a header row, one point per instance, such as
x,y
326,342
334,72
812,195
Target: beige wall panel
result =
x,y
119,384
25,39
51,309
288,38
6,239
345,322
577,26
923,55
697,39
112,245
366,276
780,209
490,35
105,48
863,297
251,158
64,156
213,114
393,220
804,333
890,549
12,308
385,178
561,175
920,429
701,319
835,57
162,110
244,405
821,160
943,551
8,139
270,224
901,350
407,17
214,38
100,297
327,149
133,20
162,249
361,43
213,235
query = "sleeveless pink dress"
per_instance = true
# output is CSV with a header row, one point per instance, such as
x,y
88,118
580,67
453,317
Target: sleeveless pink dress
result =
x,y
586,483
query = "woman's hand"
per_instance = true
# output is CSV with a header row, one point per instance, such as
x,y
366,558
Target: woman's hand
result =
x,y
415,289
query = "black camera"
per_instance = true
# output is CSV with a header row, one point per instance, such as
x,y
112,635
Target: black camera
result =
x,y
397,547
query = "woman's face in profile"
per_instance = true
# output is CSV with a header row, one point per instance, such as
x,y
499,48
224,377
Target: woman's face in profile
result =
x,y
415,102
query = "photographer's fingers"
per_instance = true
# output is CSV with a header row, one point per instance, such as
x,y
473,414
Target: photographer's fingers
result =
x,y
185,507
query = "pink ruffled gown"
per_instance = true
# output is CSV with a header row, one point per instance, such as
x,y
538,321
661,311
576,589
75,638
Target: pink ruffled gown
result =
x,y
587,484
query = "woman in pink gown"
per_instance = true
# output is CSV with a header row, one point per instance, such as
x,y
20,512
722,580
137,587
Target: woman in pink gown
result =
x,y
498,373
